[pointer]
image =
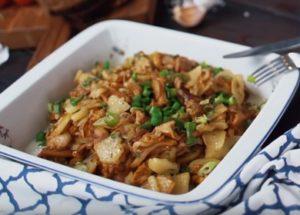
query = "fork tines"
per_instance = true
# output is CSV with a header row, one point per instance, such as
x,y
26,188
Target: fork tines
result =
x,y
272,69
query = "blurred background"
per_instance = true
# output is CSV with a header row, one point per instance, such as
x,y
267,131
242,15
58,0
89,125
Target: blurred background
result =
x,y
33,29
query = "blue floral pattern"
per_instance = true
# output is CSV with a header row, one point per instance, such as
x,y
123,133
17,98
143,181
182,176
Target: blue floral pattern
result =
x,y
268,183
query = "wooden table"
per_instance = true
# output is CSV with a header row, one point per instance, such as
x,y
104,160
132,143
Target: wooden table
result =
x,y
249,22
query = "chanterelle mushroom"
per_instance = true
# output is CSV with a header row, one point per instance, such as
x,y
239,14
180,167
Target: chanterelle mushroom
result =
x,y
167,129
159,92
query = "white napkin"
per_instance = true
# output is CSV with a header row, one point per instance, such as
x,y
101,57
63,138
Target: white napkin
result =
x,y
268,184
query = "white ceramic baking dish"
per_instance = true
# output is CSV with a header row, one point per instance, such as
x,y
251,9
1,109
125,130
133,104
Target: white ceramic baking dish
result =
x,y
23,109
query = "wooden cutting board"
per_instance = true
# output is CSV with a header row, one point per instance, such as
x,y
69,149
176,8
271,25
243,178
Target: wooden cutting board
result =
x,y
136,10
57,33
22,27
33,27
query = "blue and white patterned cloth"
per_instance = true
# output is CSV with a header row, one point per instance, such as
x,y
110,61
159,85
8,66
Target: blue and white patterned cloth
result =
x,y
268,184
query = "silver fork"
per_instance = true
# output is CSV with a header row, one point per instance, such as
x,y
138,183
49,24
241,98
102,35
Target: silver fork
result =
x,y
278,66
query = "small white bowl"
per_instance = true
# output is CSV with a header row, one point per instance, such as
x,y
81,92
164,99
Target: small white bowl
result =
x,y
23,109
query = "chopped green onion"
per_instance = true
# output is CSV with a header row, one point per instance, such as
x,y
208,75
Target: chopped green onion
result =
x,y
217,70
209,107
179,124
184,169
179,114
209,114
81,166
171,92
87,82
137,154
41,143
148,108
57,107
41,138
166,118
184,77
223,98
262,105
50,107
190,127
170,110
167,111
147,91
96,64
136,108
146,100
220,99
147,125
102,105
146,84
106,65
251,79
143,100
202,119
134,76
204,65
75,101
171,75
207,168
111,119
137,101
231,100
114,135
156,116
176,106
100,73
248,122
165,73
192,140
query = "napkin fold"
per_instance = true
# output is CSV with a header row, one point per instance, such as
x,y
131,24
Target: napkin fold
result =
x,y
268,183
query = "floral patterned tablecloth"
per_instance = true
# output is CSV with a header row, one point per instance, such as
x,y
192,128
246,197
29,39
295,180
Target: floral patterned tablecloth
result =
x,y
269,183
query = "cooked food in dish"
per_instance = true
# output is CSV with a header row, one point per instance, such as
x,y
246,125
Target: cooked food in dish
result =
x,y
158,121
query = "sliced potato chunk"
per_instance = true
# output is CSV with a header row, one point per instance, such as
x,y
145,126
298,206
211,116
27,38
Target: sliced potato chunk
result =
x,y
110,150
152,183
82,76
238,88
59,142
165,184
117,105
182,182
163,166
80,114
61,125
216,146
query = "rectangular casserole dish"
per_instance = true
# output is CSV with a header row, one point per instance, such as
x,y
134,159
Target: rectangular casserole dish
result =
x,y
23,109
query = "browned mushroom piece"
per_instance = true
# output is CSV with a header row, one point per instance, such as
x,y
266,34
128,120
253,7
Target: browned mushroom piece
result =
x,y
183,64
159,92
